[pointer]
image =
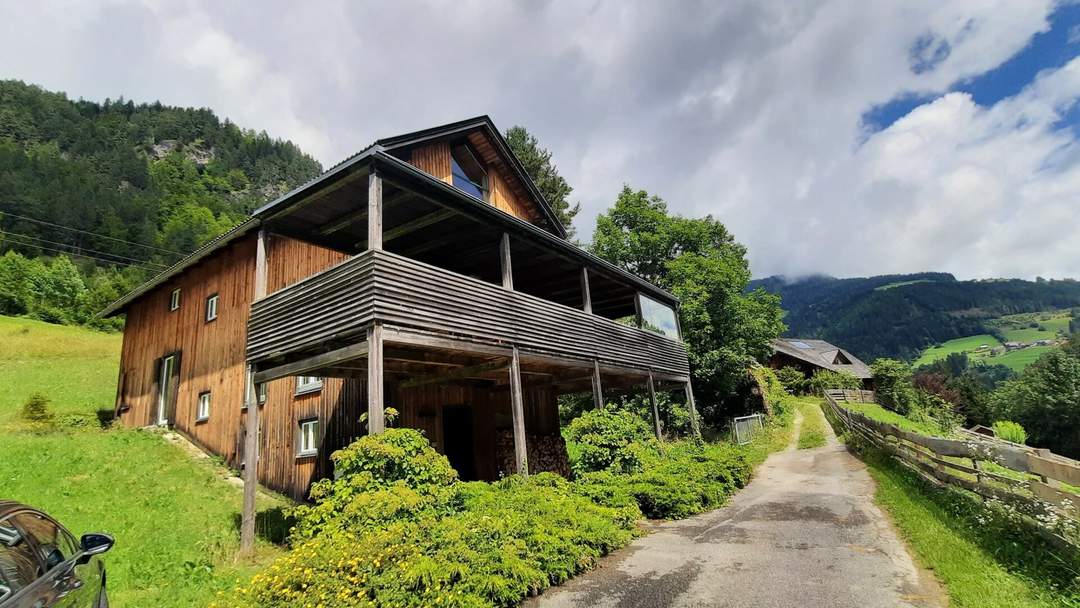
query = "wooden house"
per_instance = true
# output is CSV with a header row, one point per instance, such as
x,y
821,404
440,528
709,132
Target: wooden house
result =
x,y
425,273
808,356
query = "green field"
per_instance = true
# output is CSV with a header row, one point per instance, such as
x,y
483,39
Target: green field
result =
x,y
960,345
876,412
174,516
901,284
1049,325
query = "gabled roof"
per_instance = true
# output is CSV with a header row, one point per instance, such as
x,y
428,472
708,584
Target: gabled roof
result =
x,y
822,354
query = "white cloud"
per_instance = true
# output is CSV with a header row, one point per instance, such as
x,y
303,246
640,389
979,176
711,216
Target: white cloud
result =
x,y
747,110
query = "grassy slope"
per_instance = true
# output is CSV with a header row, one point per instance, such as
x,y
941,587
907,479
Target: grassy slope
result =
x,y
876,412
812,433
173,517
979,567
959,345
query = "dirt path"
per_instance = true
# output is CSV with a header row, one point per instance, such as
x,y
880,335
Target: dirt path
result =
x,y
805,533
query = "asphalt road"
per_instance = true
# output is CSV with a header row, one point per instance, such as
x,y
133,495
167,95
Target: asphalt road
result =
x,y
804,533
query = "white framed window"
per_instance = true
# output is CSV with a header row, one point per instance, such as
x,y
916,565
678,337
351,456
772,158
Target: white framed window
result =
x,y
211,307
307,443
174,299
260,390
202,411
308,384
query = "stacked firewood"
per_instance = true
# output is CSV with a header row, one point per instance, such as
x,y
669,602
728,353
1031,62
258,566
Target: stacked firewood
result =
x,y
546,453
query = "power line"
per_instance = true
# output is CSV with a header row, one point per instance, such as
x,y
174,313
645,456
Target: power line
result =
x,y
111,238
115,255
79,255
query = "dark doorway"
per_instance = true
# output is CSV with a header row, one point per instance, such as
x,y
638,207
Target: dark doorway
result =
x,y
458,440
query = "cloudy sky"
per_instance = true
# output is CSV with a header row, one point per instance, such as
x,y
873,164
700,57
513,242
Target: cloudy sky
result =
x,y
845,137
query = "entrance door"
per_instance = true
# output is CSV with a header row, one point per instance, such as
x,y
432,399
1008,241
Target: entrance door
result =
x,y
458,440
168,372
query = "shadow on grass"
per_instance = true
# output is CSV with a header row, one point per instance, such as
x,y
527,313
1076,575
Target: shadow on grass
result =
x,y
1012,543
105,417
271,525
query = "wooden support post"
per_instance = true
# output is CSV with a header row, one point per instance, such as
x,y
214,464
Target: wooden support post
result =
x,y
693,410
517,412
597,388
375,212
655,409
251,419
638,322
586,293
375,407
507,269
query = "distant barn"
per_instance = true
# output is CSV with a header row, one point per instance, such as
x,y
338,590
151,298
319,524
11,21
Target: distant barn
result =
x,y
809,356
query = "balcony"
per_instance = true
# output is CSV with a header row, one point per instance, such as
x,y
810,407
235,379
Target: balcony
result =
x,y
424,305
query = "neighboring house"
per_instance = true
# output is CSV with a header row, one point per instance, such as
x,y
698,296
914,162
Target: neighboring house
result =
x,y
1014,345
425,273
809,356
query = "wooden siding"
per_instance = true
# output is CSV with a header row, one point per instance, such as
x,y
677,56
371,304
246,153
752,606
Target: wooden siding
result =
x,y
435,159
212,359
378,285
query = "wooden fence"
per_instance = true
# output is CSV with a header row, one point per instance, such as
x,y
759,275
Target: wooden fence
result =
x,y
1038,484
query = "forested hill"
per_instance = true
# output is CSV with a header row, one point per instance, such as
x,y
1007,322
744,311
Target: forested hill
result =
x,y
121,185
899,315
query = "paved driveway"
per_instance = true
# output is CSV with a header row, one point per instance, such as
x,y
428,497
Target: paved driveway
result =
x,y
804,533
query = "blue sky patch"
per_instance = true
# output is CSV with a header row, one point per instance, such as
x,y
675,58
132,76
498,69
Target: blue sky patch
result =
x,y
1046,50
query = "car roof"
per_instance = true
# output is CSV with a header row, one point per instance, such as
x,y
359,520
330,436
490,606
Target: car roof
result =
x,y
7,507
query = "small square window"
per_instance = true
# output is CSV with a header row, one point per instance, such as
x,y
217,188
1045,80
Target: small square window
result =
x,y
202,412
260,390
308,384
308,441
174,299
211,307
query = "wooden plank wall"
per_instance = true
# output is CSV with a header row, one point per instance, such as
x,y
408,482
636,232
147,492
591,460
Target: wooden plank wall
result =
x,y
435,159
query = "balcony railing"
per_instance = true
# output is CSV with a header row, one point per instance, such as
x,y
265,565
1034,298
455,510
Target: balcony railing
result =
x,y
336,305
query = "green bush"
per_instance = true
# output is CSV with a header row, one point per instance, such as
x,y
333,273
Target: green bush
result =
x,y
1010,431
510,539
824,380
688,478
378,479
609,440
893,387
794,381
36,409
774,393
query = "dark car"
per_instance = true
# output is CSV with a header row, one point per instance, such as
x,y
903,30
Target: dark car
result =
x,y
42,565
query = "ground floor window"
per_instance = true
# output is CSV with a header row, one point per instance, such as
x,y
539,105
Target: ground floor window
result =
x,y
308,444
202,412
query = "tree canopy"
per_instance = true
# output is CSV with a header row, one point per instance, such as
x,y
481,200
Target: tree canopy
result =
x,y
538,164
725,327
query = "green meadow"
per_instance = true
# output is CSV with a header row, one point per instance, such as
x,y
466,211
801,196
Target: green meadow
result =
x,y
173,515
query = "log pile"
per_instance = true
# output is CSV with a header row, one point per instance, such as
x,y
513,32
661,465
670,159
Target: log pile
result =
x,y
546,453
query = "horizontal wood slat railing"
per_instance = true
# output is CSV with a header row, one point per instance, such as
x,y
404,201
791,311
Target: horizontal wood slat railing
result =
x,y
381,286
1032,481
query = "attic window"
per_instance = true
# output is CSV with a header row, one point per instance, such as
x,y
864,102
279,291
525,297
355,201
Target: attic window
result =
x,y
468,173
841,360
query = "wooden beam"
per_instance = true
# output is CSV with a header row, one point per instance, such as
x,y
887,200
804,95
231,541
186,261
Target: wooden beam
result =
x,y
418,223
251,419
586,294
375,213
455,374
695,428
313,363
655,409
507,269
375,406
597,388
517,412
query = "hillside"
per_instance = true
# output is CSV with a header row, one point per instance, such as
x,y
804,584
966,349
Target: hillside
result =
x,y
123,189
901,315
173,548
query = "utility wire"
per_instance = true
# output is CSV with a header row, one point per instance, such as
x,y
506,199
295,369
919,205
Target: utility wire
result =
x,y
80,255
102,236
77,247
